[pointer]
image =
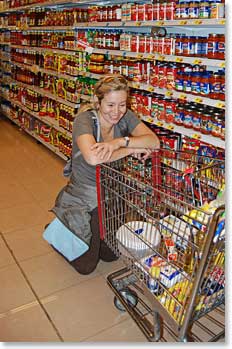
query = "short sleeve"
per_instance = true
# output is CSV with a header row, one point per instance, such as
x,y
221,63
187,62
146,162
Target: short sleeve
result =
x,y
83,124
128,123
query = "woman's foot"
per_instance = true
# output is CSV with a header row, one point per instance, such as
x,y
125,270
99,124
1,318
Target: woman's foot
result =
x,y
106,254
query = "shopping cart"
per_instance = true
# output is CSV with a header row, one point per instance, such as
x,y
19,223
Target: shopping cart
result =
x,y
164,216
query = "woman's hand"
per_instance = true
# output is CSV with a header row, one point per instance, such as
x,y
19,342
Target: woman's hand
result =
x,y
141,153
104,150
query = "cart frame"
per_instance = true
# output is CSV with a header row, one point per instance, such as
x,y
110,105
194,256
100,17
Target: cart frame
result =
x,y
201,178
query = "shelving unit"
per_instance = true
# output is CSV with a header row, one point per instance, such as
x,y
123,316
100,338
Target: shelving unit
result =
x,y
193,25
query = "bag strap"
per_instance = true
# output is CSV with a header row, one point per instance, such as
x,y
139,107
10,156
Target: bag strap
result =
x,y
97,124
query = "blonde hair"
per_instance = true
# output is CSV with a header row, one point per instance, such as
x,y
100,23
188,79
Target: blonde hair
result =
x,y
108,83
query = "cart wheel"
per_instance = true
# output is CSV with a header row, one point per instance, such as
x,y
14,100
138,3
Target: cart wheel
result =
x,y
129,296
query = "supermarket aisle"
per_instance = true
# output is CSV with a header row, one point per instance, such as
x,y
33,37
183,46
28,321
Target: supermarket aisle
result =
x,y
42,298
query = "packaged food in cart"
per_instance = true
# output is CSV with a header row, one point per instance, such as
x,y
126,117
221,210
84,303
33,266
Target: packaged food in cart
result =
x,y
164,218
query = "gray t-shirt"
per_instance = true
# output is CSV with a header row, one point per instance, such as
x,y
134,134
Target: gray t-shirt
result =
x,y
82,172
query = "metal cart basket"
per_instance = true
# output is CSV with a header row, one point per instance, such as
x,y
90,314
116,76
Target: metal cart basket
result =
x,y
165,217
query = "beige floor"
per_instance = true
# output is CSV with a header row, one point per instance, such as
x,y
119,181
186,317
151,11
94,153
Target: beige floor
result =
x,y
42,298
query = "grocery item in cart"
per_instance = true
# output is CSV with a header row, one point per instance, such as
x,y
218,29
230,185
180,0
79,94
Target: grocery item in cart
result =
x,y
178,229
138,235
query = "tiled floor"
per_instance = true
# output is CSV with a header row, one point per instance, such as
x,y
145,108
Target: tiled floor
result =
x,y
42,298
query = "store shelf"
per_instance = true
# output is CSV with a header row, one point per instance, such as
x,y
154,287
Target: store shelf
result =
x,y
5,43
47,120
35,68
34,135
176,26
178,95
215,141
116,24
50,4
50,95
151,56
141,86
166,58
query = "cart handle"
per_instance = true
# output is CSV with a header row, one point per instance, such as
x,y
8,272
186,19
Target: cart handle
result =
x,y
99,200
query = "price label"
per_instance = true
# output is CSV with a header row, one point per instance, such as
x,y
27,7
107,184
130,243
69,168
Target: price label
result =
x,y
168,93
159,123
107,24
34,68
223,21
23,26
139,56
222,65
138,24
198,100
161,58
150,120
197,61
179,59
150,89
182,96
198,21
182,22
89,49
160,23
170,127
135,85
196,136
150,56
220,105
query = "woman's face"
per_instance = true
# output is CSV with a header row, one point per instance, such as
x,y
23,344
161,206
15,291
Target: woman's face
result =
x,y
113,106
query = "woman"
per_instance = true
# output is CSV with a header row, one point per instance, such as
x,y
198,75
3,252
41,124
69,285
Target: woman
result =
x,y
121,134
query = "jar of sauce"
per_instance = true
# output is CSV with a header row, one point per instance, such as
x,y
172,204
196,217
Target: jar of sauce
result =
x,y
179,115
196,120
206,123
188,116
213,41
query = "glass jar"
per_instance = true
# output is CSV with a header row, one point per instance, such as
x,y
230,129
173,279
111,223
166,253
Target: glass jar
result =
x,y
193,9
179,115
206,123
215,86
204,9
213,41
196,120
188,116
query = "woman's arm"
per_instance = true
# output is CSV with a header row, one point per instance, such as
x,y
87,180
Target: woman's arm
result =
x,y
144,137
94,156
142,141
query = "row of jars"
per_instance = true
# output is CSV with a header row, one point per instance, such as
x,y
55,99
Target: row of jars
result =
x,y
204,119
211,46
63,88
181,77
158,10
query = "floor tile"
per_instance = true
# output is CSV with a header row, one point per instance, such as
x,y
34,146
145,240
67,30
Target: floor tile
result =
x,y
27,324
5,255
19,217
106,268
13,194
50,273
14,290
84,310
126,331
27,243
40,189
